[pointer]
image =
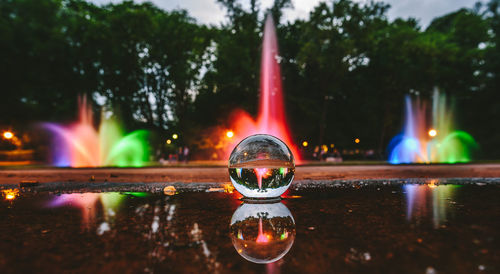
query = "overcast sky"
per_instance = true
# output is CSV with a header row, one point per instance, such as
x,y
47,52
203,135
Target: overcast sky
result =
x,y
210,12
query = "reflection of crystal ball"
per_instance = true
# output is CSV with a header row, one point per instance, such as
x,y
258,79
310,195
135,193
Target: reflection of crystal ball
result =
x,y
262,233
261,166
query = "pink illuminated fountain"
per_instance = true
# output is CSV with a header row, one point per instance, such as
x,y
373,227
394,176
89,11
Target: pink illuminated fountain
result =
x,y
260,172
271,118
262,238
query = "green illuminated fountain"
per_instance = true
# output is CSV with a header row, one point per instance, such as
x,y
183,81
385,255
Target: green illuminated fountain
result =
x,y
81,145
435,141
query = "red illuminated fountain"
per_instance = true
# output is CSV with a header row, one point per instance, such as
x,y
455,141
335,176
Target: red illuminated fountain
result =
x,y
271,118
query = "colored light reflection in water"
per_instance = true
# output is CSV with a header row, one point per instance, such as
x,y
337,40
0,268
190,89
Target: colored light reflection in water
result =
x,y
435,141
430,201
262,233
91,204
80,145
271,117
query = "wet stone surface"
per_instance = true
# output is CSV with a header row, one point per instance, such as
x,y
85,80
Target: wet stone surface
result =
x,y
389,227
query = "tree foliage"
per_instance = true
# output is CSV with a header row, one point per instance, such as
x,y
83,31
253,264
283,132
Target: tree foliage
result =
x,y
345,69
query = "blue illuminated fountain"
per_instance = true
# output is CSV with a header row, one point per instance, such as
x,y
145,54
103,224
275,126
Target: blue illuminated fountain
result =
x,y
435,141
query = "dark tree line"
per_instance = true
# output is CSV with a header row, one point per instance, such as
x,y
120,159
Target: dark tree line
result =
x,y
345,69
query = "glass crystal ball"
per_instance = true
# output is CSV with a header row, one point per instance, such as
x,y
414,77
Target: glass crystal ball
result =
x,y
262,233
261,167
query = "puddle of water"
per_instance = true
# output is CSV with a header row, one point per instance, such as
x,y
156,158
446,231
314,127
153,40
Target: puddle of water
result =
x,y
381,228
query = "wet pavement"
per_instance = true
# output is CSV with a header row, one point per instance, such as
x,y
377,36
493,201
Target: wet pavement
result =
x,y
427,226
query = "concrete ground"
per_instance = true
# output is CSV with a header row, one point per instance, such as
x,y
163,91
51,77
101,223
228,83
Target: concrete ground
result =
x,y
188,174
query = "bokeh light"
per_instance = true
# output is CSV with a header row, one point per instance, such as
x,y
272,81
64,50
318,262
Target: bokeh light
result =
x,y
432,133
324,148
10,194
8,135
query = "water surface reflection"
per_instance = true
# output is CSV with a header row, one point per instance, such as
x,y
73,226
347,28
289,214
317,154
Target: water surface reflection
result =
x,y
381,228
262,233
429,201
93,204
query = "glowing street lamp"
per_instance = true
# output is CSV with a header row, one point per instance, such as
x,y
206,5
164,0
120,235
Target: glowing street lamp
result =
x,y
229,134
169,141
175,136
305,144
324,148
357,140
8,135
432,133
